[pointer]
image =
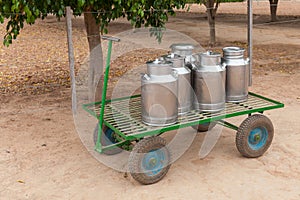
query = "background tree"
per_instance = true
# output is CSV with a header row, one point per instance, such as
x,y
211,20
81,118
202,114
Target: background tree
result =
x,y
273,9
211,10
97,16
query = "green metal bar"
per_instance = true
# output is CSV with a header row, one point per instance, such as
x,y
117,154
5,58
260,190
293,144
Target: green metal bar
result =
x,y
91,112
217,118
267,99
165,129
104,90
115,130
111,146
184,122
228,125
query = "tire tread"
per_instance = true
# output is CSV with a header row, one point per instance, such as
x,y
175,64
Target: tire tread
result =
x,y
144,146
243,132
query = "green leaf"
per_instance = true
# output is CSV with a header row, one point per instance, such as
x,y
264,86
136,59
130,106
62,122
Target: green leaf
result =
x,y
27,11
60,12
1,19
37,12
7,40
136,11
81,3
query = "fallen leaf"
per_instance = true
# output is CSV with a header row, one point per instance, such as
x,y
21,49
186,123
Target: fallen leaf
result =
x,y
21,181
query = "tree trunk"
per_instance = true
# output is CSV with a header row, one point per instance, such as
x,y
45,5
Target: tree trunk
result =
x,y
273,9
95,56
212,31
211,10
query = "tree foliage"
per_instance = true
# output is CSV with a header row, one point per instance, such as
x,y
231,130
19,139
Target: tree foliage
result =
x,y
139,12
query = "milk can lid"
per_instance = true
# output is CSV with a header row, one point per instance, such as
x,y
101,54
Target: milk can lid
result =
x,y
210,54
172,56
210,58
182,46
159,67
233,51
159,62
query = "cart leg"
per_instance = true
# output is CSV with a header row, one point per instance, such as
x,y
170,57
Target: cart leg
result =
x,y
104,90
107,138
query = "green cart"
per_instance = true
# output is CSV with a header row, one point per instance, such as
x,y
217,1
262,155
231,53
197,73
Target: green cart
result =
x,y
122,129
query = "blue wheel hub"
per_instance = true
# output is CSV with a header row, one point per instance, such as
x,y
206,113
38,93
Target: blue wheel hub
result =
x,y
109,133
257,138
153,162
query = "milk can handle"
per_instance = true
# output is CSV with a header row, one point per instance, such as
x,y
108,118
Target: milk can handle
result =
x,y
223,65
174,73
145,76
114,39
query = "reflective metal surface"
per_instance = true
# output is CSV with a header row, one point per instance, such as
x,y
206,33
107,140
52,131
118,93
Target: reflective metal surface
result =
x,y
209,83
237,74
159,94
185,90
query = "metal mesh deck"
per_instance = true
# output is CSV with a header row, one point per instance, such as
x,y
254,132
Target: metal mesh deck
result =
x,y
124,115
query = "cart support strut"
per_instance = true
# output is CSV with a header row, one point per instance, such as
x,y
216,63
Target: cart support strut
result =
x,y
104,89
250,39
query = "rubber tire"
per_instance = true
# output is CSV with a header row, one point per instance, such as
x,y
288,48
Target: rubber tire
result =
x,y
205,127
244,130
106,141
135,159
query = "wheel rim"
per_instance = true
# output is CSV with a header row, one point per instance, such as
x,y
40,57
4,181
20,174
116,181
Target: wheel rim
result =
x,y
257,138
153,162
109,133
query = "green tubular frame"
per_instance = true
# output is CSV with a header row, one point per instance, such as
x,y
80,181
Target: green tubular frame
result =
x,y
98,146
125,139
219,117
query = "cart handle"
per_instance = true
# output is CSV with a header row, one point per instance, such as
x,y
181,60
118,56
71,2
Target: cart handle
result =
x,y
106,37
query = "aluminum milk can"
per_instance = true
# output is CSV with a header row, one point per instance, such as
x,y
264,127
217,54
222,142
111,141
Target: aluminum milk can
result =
x,y
186,50
185,99
237,74
209,83
159,94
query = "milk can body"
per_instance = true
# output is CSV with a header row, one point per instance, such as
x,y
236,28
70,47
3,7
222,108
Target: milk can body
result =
x,y
209,83
237,74
159,94
186,50
185,99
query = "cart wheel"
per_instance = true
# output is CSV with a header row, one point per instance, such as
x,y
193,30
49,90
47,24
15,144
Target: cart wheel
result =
x,y
205,127
254,136
107,138
149,160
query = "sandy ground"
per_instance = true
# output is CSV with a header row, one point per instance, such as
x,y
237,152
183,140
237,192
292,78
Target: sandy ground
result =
x,y
42,156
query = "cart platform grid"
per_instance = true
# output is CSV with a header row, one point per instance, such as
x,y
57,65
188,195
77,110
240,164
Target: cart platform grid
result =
x,y
123,115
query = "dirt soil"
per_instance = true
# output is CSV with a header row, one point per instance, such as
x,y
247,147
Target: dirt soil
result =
x,y
43,157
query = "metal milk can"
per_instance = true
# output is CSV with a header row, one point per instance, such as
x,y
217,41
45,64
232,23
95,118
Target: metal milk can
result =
x,y
159,94
209,83
237,75
185,99
186,50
